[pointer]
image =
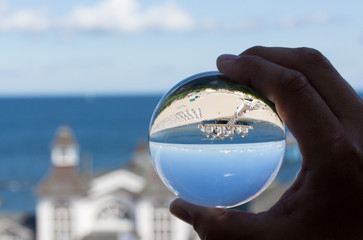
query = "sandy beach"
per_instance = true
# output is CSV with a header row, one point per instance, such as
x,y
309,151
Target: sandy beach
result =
x,y
210,105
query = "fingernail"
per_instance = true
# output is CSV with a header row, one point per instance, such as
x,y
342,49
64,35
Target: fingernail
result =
x,y
223,60
178,211
226,57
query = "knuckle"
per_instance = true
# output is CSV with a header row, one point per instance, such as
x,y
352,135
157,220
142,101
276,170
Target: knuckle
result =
x,y
344,146
347,155
294,82
314,57
256,66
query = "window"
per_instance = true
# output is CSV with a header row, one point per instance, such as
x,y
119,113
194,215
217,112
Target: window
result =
x,y
62,222
162,224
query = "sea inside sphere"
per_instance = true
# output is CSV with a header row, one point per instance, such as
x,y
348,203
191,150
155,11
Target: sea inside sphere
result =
x,y
215,142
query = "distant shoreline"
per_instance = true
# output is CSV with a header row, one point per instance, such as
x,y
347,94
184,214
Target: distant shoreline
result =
x,y
96,95
79,96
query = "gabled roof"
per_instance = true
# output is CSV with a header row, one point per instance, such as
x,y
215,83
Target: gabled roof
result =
x,y
113,181
155,187
137,177
141,164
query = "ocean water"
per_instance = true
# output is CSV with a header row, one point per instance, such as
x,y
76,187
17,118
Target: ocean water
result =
x,y
107,128
217,175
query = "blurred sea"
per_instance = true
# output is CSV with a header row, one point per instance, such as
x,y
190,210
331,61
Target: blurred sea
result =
x,y
106,128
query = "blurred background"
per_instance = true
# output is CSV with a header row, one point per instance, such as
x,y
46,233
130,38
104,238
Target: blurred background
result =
x,y
99,67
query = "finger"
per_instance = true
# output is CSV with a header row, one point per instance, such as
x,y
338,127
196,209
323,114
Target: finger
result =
x,y
189,212
302,109
216,223
336,92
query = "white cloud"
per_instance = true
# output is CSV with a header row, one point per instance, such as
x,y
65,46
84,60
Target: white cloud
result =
x,y
117,16
120,16
126,16
22,20
318,18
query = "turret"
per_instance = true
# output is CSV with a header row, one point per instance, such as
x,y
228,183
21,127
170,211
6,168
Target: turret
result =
x,y
65,150
64,180
60,190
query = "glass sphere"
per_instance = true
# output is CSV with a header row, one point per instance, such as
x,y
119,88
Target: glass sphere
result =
x,y
215,142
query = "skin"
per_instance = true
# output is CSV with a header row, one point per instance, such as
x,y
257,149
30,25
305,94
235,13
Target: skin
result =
x,y
325,115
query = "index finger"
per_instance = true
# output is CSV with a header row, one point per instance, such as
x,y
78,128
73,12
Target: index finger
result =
x,y
299,105
334,90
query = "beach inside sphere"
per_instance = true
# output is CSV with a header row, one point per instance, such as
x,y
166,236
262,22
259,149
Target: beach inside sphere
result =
x,y
215,142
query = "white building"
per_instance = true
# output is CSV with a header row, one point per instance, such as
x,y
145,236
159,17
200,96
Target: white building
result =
x,y
124,204
12,230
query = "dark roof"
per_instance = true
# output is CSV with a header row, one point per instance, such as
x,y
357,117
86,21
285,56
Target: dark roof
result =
x,y
155,187
63,182
140,161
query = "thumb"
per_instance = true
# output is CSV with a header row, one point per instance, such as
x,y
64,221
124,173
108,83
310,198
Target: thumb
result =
x,y
218,223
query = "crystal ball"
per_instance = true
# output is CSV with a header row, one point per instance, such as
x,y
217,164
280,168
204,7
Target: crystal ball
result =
x,y
215,142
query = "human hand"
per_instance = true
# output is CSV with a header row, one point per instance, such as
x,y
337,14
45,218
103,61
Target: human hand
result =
x,y
326,117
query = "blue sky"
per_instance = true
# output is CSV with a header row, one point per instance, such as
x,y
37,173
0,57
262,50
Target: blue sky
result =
x,y
92,47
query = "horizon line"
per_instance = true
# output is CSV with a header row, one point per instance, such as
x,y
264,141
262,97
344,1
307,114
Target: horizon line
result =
x,y
80,95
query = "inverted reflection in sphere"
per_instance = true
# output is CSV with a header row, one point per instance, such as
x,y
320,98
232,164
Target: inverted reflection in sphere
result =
x,y
215,142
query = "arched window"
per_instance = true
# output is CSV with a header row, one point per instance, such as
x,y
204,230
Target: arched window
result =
x,y
113,210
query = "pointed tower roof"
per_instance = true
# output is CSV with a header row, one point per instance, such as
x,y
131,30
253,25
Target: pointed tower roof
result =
x,y
63,182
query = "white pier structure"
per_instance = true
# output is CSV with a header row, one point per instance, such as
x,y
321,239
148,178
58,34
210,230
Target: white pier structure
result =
x,y
229,129
209,106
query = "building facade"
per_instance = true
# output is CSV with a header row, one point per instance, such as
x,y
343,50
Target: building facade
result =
x,y
125,204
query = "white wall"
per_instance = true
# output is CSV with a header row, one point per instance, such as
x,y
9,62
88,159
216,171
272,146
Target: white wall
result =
x,y
44,218
83,218
144,220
